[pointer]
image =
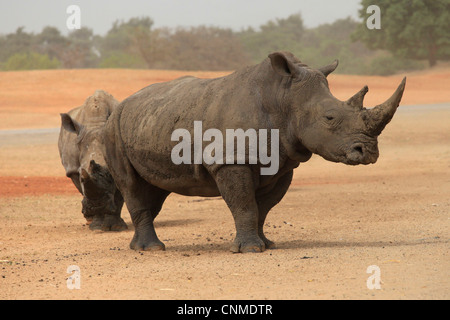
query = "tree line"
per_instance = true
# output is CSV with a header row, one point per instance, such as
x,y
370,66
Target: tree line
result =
x,y
410,36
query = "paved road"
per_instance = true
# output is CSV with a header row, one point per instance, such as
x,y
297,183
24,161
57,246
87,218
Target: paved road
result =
x,y
49,135
21,137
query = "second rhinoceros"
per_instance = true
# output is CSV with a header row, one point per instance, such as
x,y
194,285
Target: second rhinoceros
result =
x,y
280,94
82,154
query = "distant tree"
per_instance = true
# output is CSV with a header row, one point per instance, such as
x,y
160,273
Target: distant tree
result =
x,y
327,42
80,51
204,48
281,34
18,42
134,37
416,29
51,42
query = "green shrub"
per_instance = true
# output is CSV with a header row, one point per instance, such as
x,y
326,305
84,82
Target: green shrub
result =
x,y
122,60
30,61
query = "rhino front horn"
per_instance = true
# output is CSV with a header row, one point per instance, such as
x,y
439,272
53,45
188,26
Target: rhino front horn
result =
x,y
84,176
379,116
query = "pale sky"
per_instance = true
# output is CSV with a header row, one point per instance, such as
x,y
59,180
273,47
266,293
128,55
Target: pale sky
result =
x,y
236,14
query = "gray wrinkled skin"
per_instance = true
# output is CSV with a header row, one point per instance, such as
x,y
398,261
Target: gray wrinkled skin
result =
x,y
279,93
82,154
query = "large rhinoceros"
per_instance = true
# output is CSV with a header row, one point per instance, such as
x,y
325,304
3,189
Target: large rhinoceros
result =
x,y
82,154
281,94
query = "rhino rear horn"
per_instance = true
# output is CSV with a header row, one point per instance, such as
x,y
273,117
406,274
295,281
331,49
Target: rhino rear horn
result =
x,y
326,70
357,100
379,116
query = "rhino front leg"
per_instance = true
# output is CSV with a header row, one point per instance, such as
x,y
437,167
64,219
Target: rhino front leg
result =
x,y
144,202
113,221
145,238
267,199
236,186
106,215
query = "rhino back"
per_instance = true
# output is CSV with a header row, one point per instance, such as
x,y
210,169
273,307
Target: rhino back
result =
x,y
149,117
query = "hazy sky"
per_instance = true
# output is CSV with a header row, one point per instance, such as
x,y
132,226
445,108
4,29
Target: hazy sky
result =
x,y
236,14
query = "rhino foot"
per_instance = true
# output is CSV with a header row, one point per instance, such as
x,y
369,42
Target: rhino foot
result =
x,y
248,245
140,244
269,244
108,223
113,223
96,223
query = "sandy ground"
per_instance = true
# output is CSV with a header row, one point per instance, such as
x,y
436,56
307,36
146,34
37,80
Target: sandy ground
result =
x,y
334,222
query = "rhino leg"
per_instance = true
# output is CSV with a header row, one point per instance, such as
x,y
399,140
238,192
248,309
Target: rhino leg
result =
x,y
107,222
113,222
267,199
105,218
236,186
144,201
144,206
96,222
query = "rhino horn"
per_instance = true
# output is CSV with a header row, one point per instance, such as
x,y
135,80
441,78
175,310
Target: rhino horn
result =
x,y
94,167
85,177
89,184
326,70
357,100
379,116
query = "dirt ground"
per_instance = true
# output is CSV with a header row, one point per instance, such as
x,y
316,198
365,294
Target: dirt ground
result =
x,y
334,223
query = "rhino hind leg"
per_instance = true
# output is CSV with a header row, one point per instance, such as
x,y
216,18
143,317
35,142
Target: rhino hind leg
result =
x,y
235,184
267,199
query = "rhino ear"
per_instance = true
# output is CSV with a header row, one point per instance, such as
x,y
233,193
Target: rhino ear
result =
x,y
284,64
326,70
70,124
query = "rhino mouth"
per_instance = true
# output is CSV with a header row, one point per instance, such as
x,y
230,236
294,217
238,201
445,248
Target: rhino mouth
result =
x,y
97,207
360,153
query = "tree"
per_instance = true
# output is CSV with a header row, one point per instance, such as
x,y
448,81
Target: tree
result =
x,y
415,29
51,42
327,42
134,37
18,42
281,34
80,52
204,48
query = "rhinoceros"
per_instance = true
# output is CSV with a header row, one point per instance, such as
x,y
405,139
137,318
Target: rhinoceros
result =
x,y
281,93
82,154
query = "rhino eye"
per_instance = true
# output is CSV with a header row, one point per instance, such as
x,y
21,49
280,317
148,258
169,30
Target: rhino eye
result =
x,y
329,118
